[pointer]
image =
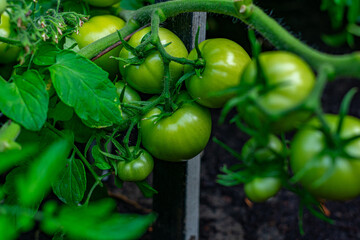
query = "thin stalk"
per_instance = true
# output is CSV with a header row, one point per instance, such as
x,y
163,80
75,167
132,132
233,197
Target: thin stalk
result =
x,y
10,41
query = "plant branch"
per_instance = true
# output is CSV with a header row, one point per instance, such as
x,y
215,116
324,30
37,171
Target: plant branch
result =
x,y
343,65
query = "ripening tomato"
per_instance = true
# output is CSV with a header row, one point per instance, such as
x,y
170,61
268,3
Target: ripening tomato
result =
x,y
312,154
136,169
98,27
180,136
148,76
263,153
261,189
224,63
294,80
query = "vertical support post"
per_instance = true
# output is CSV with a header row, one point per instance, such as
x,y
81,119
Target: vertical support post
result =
x,y
178,184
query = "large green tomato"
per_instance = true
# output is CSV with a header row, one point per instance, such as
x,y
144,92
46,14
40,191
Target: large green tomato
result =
x,y
307,152
148,76
224,63
260,189
180,136
102,3
295,81
136,169
98,27
8,53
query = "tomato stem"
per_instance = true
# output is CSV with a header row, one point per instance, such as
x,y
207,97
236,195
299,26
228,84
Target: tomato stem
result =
x,y
342,65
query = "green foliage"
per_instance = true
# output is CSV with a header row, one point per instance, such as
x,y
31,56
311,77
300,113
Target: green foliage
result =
x,y
84,86
18,103
71,185
345,18
97,221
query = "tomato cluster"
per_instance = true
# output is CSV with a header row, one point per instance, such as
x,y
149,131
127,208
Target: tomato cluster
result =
x,y
272,89
270,92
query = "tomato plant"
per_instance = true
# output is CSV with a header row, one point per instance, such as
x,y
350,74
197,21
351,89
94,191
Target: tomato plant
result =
x,y
288,82
261,189
188,128
328,170
136,168
98,27
147,77
224,63
65,106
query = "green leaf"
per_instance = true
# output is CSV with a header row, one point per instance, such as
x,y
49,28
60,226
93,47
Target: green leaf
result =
x,y
20,215
70,43
83,85
353,11
42,172
46,54
335,40
99,158
146,189
99,222
58,236
7,229
12,158
61,112
25,100
71,184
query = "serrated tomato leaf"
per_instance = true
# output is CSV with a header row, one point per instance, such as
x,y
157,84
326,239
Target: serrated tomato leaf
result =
x,y
25,100
83,85
71,184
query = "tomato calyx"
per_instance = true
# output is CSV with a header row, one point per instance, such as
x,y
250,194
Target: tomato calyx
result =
x,y
259,159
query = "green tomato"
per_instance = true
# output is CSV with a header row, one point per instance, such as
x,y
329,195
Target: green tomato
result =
x,y
224,63
180,136
102,3
8,53
136,169
262,152
148,76
307,151
260,189
296,81
98,27
130,95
